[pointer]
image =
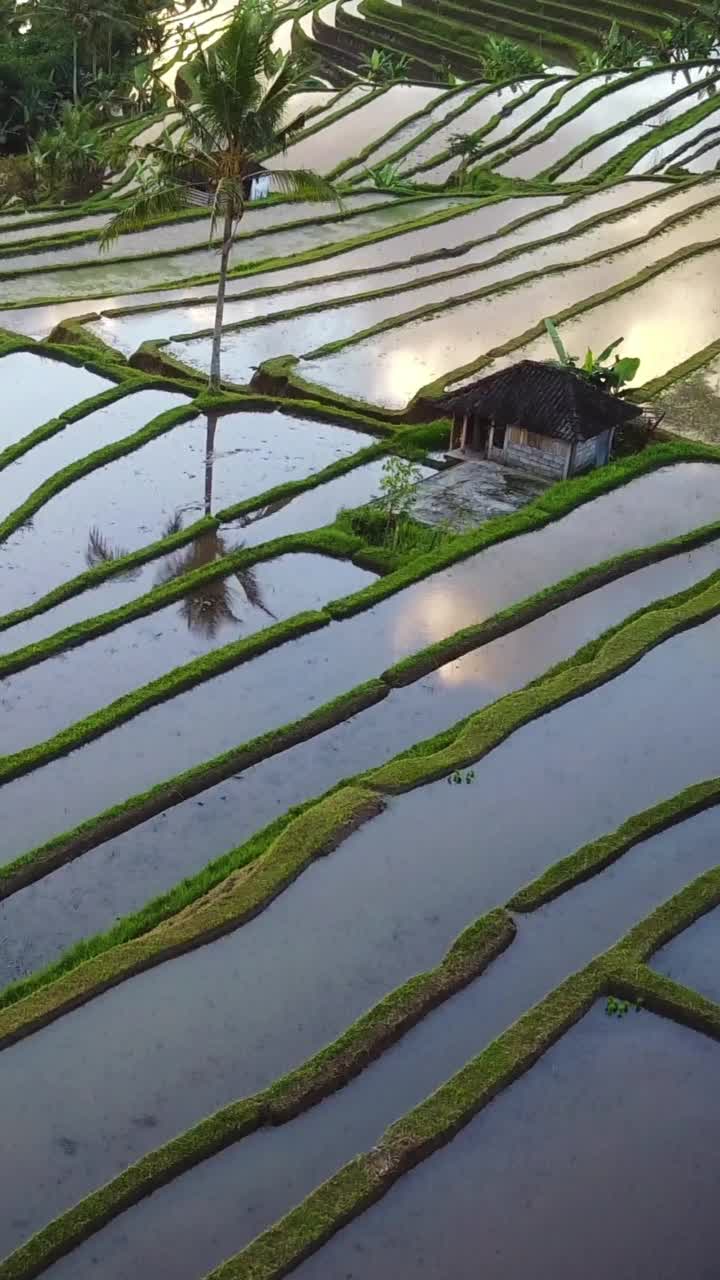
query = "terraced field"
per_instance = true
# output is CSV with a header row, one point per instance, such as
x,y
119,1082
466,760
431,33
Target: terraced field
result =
x,y
359,902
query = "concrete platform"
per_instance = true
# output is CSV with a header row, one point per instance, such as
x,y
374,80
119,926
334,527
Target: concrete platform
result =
x,y
472,492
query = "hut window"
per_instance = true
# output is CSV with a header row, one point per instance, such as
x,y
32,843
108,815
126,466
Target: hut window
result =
x,y
498,437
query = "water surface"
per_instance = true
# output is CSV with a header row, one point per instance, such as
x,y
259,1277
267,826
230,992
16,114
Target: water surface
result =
x,y
126,416
56,386
42,700
391,366
291,681
601,1161
195,468
182,1039
215,1209
117,877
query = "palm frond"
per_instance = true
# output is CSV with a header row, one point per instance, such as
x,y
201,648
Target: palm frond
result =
x,y
306,185
147,206
250,585
173,525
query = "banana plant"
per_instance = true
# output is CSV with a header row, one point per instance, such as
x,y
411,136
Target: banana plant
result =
x,y
596,369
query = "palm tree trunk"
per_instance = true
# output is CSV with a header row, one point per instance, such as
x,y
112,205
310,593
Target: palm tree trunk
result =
x,y
75,69
214,383
209,460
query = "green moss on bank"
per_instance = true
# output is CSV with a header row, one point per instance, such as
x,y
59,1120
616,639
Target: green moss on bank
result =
x,y
329,1070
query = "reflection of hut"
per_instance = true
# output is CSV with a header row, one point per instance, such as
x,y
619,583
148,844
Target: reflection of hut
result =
x,y
535,417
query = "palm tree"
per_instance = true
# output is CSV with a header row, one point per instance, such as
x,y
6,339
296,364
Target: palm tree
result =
x,y
240,90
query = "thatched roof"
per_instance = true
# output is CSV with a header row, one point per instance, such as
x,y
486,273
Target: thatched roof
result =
x,y
544,398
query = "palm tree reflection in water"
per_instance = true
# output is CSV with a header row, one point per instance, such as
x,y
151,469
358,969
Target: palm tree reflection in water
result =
x,y
207,607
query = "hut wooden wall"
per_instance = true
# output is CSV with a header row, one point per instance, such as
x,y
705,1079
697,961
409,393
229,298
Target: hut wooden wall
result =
x,y
531,452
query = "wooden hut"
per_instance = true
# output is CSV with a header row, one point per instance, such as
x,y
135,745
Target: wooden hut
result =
x,y
535,417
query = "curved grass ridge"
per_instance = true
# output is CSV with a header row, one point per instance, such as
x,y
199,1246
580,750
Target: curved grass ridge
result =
x,y
315,831
432,1124
345,216
91,461
287,367
68,845
621,969
622,649
326,1072
323,542
224,404
639,117
507,153
191,907
160,690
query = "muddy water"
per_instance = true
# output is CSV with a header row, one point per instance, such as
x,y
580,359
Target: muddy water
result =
x,y
704,162
659,156
181,235
686,291
406,132
93,222
612,110
86,435
35,389
173,1043
87,896
169,482
566,1173
474,118
605,151
693,957
245,349
37,321
215,1209
309,510
693,404
390,367
289,682
344,138
42,700
152,271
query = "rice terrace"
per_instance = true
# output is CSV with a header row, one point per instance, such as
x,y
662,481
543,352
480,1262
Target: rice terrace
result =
x,y
359,639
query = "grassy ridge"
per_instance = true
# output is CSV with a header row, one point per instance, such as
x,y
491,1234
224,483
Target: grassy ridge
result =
x,y
327,1071
241,899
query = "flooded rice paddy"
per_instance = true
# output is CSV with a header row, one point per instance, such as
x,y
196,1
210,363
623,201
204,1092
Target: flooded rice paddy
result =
x,y
79,439
684,291
310,509
119,277
582,1143
598,1144
196,468
245,349
344,137
216,1208
291,681
57,386
84,897
390,367
693,957
172,1043
39,702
